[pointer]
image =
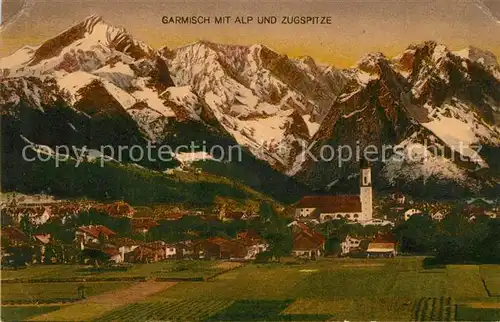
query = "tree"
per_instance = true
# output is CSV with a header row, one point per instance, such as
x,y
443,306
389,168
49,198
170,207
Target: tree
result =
x,y
275,231
95,256
49,254
333,246
26,225
418,234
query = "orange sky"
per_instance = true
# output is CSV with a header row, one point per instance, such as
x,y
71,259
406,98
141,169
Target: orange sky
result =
x,y
357,27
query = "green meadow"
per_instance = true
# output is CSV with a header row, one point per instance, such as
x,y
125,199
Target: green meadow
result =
x,y
401,289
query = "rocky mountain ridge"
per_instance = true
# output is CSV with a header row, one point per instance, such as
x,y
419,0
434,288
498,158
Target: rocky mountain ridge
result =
x,y
114,89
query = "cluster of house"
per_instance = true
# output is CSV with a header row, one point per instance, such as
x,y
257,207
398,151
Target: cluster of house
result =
x,y
383,245
474,208
310,244
359,208
245,247
93,239
40,212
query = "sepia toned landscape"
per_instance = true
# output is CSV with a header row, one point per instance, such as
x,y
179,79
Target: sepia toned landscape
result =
x,y
215,181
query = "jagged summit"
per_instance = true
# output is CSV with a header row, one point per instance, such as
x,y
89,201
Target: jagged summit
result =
x,y
371,61
478,55
270,103
83,46
91,21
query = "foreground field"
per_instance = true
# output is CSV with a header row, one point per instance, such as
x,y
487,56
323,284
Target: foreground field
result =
x,y
21,313
339,278
50,291
329,289
170,269
381,289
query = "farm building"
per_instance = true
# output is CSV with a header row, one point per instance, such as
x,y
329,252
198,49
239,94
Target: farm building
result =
x,y
222,248
306,242
383,245
350,244
376,249
91,233
151,252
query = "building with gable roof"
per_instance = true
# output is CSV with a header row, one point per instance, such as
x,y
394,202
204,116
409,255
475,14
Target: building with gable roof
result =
x,y
307,243
91,233
356,208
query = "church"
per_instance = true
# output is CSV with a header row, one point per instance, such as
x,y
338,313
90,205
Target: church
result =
x,y
355,208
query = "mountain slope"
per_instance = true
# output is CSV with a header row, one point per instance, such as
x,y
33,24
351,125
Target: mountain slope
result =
x,y
433,106
95,85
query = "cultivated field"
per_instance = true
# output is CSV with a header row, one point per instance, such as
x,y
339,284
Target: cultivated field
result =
x,y
168,269
52,291
328,289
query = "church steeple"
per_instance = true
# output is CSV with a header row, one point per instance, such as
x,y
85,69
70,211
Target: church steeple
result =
x,y
365,175
365,191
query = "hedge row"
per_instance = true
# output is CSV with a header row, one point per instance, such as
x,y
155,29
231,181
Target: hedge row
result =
x,y
179,279
41,301
75,279
222,272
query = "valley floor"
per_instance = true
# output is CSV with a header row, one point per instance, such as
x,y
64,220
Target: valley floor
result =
x,y
328,289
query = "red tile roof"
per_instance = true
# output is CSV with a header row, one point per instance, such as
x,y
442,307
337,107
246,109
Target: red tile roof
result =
x,y
96,230
332,204
13,234
43,238
312,235
123,241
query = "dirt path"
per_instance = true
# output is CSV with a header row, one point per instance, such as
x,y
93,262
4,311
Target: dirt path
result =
x,y
98,305
129,295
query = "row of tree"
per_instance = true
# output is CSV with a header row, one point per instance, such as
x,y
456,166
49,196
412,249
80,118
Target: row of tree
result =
x,y
456,239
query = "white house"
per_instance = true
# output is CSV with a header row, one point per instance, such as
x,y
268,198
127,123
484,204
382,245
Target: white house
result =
x,y
377,222
170,250
411,212
40,219
438,216
398,197
349,244
356,208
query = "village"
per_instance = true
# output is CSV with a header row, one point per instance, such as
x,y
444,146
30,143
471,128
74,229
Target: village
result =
x,y
41,230
66,259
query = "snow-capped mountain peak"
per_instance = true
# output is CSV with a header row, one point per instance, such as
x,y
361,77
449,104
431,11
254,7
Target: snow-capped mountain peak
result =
x,y
272,104
87,46
478,55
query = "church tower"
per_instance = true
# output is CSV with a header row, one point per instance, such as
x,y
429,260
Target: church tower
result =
x,y
365,192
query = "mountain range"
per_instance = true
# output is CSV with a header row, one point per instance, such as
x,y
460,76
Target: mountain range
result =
x,y
94,85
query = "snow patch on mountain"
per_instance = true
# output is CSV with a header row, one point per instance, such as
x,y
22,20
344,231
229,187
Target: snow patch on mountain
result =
x,y
151,98
461,129
190,157
183,96
119,74
311,125
73,82
20,57
415,162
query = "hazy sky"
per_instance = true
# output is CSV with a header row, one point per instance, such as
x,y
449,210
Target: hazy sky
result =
x,y
358,26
